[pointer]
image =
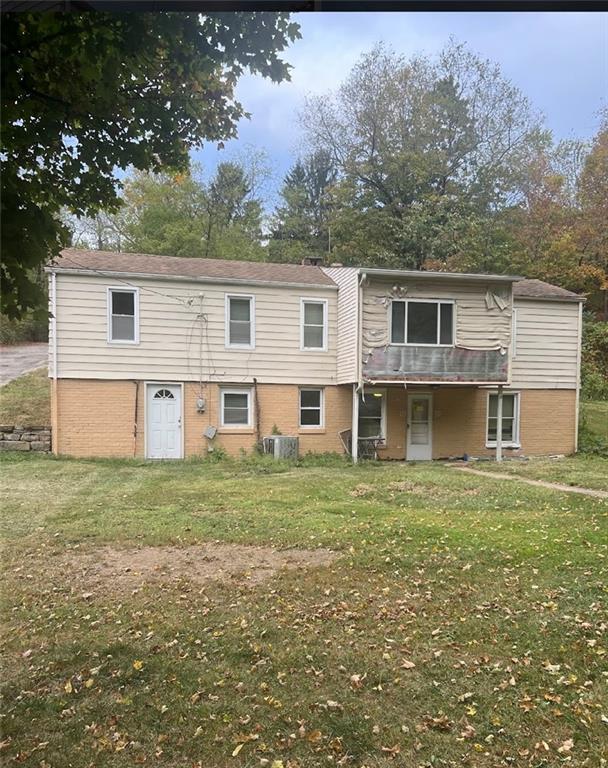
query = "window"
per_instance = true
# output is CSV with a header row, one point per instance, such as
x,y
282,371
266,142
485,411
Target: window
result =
x,y
311,407
240,321
372,409
510,419
236,407
123,315
313,314
422,322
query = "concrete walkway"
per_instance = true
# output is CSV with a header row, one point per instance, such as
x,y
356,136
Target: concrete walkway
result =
x,y
542,483
17,359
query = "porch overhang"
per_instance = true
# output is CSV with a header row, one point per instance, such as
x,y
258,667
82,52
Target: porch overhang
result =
x,y
418,364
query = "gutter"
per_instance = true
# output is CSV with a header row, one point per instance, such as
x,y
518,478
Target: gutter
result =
x,y
577,406
186,279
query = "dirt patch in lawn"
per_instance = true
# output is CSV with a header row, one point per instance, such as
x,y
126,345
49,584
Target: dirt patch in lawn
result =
x,y
129,569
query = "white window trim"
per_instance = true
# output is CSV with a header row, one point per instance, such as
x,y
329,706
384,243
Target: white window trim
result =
x,y
514,333
227,298
420,301
321,404
370,393
313,300
122,289
233,391
515,443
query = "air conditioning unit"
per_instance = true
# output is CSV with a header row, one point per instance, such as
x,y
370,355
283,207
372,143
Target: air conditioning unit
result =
x,y
281,446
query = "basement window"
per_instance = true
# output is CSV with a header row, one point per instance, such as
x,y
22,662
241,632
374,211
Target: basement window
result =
x,y
123,316
423,322
311,408
236,407
510,420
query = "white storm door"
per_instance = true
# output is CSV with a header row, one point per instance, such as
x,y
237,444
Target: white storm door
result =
x,y
164,421
419,427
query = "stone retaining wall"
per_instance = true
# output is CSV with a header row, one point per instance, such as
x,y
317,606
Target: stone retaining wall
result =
x,y
25,439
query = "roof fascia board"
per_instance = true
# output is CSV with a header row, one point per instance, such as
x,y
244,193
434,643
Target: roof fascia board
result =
x,y
569,299
186,279
419,275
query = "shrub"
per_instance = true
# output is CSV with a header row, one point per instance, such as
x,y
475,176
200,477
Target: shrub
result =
x,y
594,367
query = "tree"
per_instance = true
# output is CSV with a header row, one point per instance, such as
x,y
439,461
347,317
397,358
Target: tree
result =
x,y
427,152
301,223
182,214
87,93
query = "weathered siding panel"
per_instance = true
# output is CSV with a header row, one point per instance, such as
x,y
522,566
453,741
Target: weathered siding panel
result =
x,y
477,327
347,279
546,345
182,333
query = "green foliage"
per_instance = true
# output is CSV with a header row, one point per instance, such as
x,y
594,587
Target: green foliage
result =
x,y
301,223
30,327
594,369
590,441
428,151
86,93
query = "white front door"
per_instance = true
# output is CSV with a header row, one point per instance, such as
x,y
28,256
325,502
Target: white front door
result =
x,y
419,427
164,421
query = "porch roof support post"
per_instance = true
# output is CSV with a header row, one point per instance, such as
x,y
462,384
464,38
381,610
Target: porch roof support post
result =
x,y
354,449
499,424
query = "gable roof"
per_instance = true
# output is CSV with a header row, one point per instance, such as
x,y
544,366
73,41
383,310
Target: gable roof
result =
x,y
538,289
176,267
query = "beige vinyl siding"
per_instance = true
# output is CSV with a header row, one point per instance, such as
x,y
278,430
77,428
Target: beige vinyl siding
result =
x,y
546,345
347,279
182,333
477,327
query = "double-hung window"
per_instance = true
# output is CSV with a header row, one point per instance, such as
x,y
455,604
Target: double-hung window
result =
x,y
236,407
313,324
123,315
510,419
422,321
240,321
311,408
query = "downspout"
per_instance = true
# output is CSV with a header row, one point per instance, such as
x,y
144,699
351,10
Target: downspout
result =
x,y
256,406
354,450
577,406
499,424
135,418
53,338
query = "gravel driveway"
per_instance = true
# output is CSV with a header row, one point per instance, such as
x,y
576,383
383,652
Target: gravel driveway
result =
x,y
18,359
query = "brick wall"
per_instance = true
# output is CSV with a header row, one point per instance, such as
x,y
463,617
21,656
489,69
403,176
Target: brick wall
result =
x,y
96,418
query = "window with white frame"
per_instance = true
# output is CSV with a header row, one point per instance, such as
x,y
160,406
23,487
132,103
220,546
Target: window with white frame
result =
x,y
510,418
236,407
372,414
311,407
421,321
313,324
123,315
240,321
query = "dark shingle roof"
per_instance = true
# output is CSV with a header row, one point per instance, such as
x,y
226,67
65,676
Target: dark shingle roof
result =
x,y
176,266
538,289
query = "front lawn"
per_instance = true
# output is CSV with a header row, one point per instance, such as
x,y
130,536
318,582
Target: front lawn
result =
x,y
595,415
462,620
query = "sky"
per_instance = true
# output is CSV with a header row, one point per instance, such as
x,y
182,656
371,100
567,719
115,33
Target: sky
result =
x,y
558,60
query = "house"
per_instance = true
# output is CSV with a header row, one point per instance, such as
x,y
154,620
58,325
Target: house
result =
x,y
165,357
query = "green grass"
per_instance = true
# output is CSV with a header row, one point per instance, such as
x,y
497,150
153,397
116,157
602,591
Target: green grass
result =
x,y
595,414
496,591
26,400
583,470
